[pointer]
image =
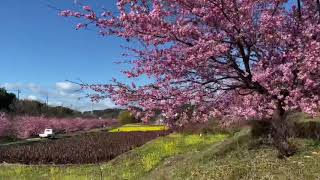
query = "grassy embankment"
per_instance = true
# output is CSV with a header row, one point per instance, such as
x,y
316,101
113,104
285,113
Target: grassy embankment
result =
x,y
236,159
132,165
196,157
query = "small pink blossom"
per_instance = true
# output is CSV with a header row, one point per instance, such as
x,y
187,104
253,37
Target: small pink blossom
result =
x,y
87,8
80,26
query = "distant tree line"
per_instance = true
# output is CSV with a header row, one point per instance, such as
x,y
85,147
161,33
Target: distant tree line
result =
x,y
110,113
6,100
10,104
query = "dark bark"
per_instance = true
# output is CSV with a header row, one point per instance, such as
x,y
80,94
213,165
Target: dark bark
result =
x,y
281,133
318,5
299,9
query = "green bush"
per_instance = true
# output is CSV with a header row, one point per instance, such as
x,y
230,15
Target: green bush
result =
x,y
126,117
210,127
261,128
310,129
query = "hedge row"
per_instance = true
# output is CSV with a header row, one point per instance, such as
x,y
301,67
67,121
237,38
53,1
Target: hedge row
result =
x,y
26,126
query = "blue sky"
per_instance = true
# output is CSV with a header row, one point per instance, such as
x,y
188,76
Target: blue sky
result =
x,y
39,50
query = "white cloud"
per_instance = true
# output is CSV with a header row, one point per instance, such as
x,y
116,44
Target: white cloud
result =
x,y
32,97
55,103
61,93
11,86
34,88
67,87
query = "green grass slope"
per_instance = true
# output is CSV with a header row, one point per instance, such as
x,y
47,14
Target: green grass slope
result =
x,y
132,165
22,172
183,157
138,163
235,159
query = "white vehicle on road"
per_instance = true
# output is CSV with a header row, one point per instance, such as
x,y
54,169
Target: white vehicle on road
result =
x,y
47,133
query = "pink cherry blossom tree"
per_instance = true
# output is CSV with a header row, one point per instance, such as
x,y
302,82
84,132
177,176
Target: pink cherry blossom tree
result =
x,y
4,125
236,60
23,127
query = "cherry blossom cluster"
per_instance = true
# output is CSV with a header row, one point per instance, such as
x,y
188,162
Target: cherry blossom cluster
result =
x,y
232,59
25,126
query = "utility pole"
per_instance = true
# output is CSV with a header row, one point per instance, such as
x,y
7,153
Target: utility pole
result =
x,y
18,92
91,107
47,99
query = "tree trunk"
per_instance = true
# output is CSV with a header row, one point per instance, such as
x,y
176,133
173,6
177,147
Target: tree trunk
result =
x,y
318,5
281,133
299,9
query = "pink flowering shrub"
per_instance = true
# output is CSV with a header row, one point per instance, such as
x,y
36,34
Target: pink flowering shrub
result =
x,y
26,126
4,125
